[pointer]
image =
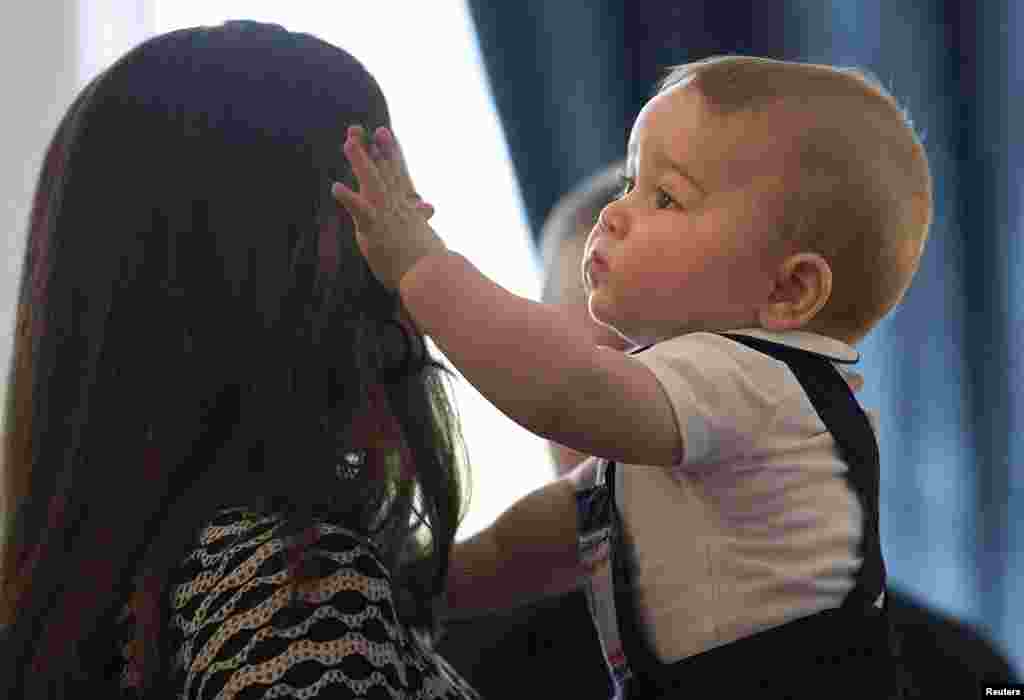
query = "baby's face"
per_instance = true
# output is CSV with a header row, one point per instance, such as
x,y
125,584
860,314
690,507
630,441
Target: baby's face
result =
x,y
687,248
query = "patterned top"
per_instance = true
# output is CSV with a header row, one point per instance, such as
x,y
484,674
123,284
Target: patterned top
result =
x,y
235,637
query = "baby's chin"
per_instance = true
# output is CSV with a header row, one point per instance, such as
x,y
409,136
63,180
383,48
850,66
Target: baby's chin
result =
x,y
607,335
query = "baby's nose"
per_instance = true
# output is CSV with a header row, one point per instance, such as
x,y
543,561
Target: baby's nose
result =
x,y
607,224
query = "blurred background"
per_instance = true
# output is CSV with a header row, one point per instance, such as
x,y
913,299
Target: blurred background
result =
x,y
504,107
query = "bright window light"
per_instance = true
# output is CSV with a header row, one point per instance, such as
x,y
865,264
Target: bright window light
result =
x,y
425,57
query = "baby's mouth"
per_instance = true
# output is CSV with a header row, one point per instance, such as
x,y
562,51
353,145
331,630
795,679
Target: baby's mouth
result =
x,y
596,269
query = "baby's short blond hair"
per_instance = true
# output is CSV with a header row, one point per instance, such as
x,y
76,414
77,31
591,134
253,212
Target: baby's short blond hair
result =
x,y
859,192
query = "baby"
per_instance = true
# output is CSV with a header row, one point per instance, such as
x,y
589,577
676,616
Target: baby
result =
x,y
726,528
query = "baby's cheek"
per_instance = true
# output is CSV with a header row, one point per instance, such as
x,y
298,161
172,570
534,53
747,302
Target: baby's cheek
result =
x,y
652,261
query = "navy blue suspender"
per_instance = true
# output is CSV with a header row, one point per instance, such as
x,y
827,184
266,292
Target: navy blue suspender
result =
x,y
850,648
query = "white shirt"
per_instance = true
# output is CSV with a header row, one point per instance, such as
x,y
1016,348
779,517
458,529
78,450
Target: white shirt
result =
x,y
757,526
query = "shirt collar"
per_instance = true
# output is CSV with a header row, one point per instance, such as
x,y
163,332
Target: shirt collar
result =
x,y
830,348
835,350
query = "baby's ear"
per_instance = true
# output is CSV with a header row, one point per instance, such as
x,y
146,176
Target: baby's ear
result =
x,y
803,285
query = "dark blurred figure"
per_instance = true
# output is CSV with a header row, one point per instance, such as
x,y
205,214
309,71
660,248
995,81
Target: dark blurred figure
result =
x,y
946,658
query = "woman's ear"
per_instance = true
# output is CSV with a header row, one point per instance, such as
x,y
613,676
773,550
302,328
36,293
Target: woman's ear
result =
x,y
802,287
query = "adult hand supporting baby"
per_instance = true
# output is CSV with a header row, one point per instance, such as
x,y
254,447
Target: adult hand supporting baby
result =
x,y
391,221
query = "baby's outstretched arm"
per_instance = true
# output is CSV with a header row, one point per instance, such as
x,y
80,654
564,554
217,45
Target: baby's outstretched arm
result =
x,y
541,372
529,552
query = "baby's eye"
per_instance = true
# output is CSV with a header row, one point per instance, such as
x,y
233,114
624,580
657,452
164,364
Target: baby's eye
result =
x,y
662,197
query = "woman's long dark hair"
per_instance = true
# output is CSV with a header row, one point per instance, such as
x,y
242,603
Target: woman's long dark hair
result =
x,y
196,328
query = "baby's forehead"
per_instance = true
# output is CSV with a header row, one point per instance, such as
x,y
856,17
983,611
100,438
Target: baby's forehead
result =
x,y
724,151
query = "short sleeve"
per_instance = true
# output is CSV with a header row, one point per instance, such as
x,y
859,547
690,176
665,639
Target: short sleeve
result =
x,y
239,638
723,395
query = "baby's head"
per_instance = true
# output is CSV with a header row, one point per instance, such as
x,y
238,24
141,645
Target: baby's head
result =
x,y
762,193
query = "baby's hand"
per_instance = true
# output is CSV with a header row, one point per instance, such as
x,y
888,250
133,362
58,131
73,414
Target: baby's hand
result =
x,y
391,222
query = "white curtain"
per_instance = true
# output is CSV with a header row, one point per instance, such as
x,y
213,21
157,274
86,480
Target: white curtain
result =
x,y
38,68
107,29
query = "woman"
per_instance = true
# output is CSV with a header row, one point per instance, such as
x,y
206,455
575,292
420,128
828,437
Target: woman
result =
x,y
228,456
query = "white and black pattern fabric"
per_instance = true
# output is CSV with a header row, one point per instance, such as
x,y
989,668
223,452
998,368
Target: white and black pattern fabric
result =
x,y
237,638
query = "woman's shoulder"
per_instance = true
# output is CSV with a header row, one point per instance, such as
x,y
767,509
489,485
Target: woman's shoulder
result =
x,y
236,629
239,541
239,562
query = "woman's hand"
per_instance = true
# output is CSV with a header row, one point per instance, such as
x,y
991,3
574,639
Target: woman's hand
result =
x,y
391,220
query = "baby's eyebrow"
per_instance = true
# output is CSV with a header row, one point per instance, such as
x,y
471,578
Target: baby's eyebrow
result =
x,y
630,167
676,167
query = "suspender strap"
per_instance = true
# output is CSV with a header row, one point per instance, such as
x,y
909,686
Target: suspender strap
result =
x,y
851,645
595,516
835,404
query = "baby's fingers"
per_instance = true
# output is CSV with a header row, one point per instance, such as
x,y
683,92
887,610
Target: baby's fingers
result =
x,y
390,166
355,204
363,166
394,170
